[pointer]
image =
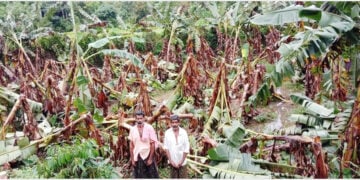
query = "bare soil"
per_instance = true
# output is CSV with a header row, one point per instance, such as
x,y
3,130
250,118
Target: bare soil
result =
x,y
281,108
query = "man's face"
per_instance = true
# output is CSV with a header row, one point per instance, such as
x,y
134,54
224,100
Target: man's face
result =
x,y
175,124
140,120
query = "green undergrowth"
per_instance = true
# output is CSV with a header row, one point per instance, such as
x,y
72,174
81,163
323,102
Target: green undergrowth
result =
x,y
81,159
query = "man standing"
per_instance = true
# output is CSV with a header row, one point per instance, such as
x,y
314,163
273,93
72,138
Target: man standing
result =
x,y
176,145
143,142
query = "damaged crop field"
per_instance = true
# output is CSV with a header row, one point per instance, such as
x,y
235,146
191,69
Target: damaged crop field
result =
x,y
263,89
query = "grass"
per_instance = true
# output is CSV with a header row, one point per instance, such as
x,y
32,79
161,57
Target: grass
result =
x,y
298,110
265,116
164,172
293,87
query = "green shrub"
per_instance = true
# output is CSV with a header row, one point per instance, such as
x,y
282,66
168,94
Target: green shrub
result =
x,y
82,159
55,44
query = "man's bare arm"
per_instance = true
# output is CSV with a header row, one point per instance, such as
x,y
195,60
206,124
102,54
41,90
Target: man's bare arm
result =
x,y
132,153
151,155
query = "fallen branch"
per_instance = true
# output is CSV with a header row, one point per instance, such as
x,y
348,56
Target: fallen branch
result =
x,y
112,91
12,97
113,119
296,143
42,89
10,118
241,173
281,98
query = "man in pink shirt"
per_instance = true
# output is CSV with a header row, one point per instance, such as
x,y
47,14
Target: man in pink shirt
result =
x,y
143,142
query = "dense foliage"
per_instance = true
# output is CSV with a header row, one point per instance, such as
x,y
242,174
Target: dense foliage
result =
x,y
73,73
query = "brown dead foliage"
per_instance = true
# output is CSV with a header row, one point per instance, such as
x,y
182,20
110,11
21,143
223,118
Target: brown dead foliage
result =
x,y
205,55
121,83
93,131
297,147
221,78
6,75
340,77
30,125
189,45
29,89
191,80
352,136
151,64
98,24
231,49
143,99
207,143
247,84
131,47
228,45
174,55
255,42
55,101
30,128
339,92
23,65
102,102
39,61
53,68
271,45
70,78
94,72
107,73
250,146
313,77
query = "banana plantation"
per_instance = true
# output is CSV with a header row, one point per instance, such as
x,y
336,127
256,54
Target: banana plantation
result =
x,y
263,89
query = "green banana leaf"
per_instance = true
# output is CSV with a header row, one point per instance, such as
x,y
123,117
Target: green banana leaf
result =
x,y
11,153
322,133
222,152
185,108
263,94
304,119
297,13
234,134
239,167
287,15
310,42
292,130
313,108
173,99
341,120
101,42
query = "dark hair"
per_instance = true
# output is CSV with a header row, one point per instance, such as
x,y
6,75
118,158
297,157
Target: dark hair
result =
x,y
139,113
174,117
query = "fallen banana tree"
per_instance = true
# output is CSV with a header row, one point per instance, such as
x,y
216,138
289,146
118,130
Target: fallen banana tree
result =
x,y
297,147
30,128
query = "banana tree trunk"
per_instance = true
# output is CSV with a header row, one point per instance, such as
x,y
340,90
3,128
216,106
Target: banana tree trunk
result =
x,y
352,135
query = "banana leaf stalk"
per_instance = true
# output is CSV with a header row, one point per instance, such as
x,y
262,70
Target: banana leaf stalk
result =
x,y
220,103
150,120
12,97
40,87
315,145
352,132
10,118
66,120
231,172
112,91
